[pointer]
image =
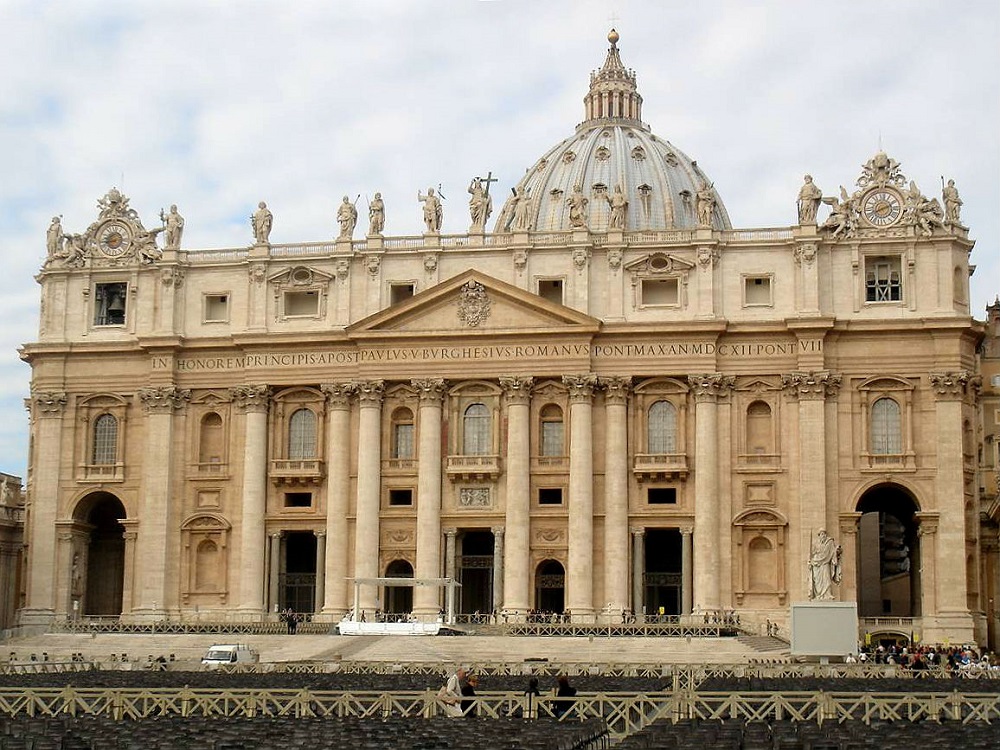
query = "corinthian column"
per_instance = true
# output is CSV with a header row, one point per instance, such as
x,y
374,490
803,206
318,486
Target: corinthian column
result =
x,y
706,487
46,410
616,492
811,390
580,558
426,603
159,403
253,400
366,528
517,393
338,487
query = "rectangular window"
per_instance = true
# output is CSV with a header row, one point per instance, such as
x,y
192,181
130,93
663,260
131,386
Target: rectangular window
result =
x,y
757,291
298,499
403,442
551,289
109,304
550,496
660,292
552,438
883,282
216,308
661,495
301,303
400,497
399,293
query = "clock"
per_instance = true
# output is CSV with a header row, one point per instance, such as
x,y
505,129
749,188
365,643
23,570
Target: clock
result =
x,y
881,208
114,239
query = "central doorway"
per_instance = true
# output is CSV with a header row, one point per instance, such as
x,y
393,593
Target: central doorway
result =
x,y
475,573
398,599
550,587
662,576
297,583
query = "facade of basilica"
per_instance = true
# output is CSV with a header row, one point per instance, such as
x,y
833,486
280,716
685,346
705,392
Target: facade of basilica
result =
x,y
612,401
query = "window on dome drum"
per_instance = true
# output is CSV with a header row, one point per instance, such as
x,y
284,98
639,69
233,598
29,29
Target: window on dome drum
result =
x,y
400,292
661,428
476,431
400,496
883,280
552,441
298,499
661,495
105,448
660,292
301,303
550,496
216,308
302,434
886,429
757,291
551,289
402,434
109,304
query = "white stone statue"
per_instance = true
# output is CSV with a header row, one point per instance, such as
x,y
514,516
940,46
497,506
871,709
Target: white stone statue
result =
x,y
262,221
54,238
480,205
923,212
809,199
376,216
705,203
523,219
619,208
433,211
841,220
173,224
952,203
577,202
347,217
824,566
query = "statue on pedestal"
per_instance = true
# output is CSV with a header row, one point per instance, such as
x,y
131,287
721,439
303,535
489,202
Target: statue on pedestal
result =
x,y
577,208
809,199
262,221
376,216
619,208
347,217
952,203
480,204
824,566
54,238
173,224
705,204
433,211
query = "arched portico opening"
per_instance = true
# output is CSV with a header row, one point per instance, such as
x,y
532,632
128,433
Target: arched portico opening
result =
x,y
888,553
550,587
97,579
398,599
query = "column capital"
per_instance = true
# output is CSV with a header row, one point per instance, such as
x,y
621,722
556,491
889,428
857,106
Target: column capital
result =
x,y
163,399
338,395
616,388
811,385
928,523
953,386
710,385
450,532
251,398
637,531
276,534
849,523
686,530
430,391
517,388
47,403
369,392
581,387
319,533
498,531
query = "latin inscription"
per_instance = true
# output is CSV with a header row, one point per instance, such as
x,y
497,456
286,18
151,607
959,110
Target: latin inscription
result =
x,y
595,352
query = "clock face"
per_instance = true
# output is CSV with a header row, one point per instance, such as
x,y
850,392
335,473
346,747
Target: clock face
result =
x,y
114,239
882,208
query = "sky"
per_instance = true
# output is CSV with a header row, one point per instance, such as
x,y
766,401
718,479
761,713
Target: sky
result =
x,y
215,106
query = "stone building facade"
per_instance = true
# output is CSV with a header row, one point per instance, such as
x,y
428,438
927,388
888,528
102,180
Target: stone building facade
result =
x,y
11,548
614,400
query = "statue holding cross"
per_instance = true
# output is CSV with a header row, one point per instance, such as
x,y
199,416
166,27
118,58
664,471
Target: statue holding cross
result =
x,y
480,204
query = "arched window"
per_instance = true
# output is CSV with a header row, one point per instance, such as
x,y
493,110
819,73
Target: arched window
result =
x,y
886,430
402,434
210,440
661,428
476,431
552,433
302,434
105,440
760,435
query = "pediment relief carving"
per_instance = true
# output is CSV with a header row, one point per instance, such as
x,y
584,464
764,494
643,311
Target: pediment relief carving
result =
x,y
760,517
206,522
211,398
886,383
757,385
300,277
659,264
549,389
103,401
661,386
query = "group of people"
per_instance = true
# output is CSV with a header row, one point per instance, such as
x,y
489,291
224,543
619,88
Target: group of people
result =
x,y
458,695
291,620
955,659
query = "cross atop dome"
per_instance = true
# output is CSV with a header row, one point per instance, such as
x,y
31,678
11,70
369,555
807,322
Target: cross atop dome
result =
x,y
613,95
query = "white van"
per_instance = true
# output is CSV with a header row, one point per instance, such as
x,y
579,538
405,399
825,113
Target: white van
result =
x,y
229,653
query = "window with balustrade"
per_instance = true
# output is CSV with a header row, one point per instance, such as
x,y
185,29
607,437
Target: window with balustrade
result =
x,y
887,423
100,442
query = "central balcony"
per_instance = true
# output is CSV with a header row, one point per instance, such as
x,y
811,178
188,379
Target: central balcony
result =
x,y
473,467
297,471
660,466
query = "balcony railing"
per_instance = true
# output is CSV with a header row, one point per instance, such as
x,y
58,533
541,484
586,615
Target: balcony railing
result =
x,y
473,467
890,461
550,464
652,466
209,470
101,473
297,470
399,465
763,460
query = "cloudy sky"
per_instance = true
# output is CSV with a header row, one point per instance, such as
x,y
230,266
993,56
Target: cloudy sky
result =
x,y
217,105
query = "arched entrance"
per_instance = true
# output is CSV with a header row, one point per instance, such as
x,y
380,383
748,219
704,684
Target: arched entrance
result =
x,y
550,587
888,553
97,582
398,599
475,573
298,576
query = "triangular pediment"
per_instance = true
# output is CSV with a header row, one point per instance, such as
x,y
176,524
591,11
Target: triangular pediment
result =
x,y
472,303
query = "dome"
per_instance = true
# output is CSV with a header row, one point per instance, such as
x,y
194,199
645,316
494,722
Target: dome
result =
x,y
613,150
